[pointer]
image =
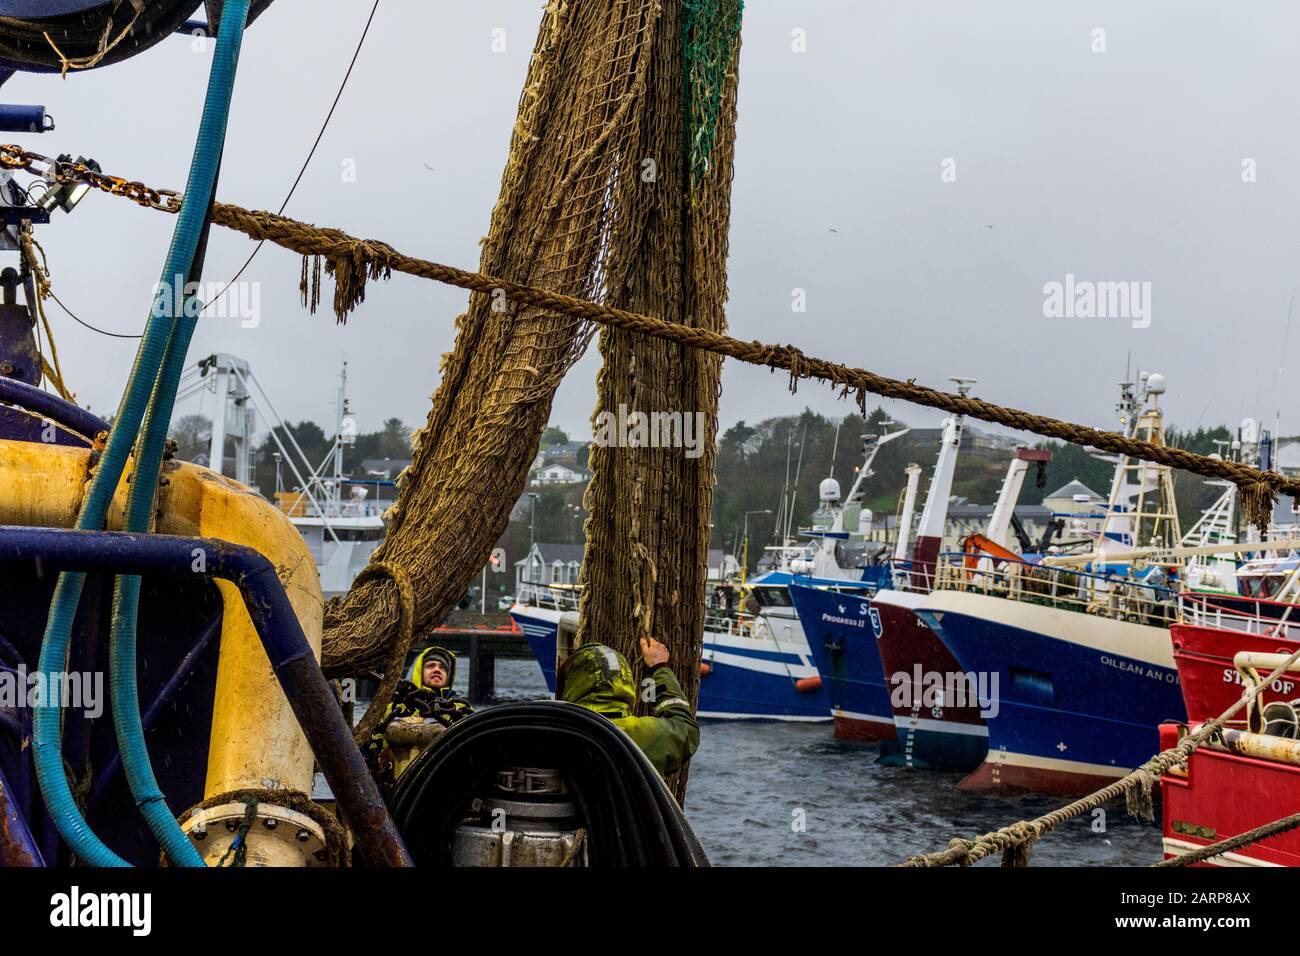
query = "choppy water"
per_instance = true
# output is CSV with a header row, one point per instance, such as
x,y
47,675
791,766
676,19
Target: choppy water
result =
x,y
783,794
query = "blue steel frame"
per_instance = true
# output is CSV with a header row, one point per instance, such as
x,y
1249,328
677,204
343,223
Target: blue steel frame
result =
x,y
292,660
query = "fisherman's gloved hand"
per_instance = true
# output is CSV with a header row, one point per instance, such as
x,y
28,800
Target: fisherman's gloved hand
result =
x,y
653,653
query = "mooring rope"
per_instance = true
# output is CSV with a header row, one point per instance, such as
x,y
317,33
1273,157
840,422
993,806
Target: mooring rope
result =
x,y
1016,840
353,261
1203,853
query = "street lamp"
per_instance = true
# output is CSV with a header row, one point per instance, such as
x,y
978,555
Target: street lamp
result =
x,y
532,521
575,512
744,560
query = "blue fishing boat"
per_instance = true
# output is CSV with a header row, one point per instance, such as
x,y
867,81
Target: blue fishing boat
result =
x,y
756,667
1076,695
866,648
1076,650
842,628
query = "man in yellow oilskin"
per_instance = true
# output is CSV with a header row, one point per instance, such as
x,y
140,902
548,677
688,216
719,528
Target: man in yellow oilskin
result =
x,y
422,708
599,678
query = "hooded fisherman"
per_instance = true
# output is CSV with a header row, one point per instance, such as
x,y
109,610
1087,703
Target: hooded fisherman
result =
x,y
599,678
422,708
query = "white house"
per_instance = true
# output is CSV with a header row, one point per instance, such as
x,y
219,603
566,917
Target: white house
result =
x,y
557,474
560,563
548,564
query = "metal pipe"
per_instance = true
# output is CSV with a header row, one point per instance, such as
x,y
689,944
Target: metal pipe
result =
x,y
1263,746
24,119
282,638
71,417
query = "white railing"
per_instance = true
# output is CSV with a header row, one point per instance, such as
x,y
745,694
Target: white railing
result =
x,y
742,625
1246,615
1110,596
552,597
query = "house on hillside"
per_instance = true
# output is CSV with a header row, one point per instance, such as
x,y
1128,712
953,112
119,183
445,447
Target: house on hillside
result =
x,y
549,564
1286,456
566,453
973,440
557,474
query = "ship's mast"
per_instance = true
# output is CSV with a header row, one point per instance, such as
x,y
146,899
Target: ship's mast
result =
x,y
1000,521
1142,511
341,425
929,536
904,530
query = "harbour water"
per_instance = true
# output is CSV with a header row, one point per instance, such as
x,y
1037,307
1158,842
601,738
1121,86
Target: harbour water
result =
x,y
787,794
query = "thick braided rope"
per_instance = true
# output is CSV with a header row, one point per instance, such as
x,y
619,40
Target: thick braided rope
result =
x,y
1014,841
354,259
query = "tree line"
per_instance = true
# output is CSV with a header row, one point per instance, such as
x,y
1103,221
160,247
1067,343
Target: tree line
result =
x,y
770,470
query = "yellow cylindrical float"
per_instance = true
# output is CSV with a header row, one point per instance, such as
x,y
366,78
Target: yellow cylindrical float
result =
x,y
255,743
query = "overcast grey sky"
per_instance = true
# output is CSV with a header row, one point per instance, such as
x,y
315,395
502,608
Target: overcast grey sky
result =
x,y
1118,165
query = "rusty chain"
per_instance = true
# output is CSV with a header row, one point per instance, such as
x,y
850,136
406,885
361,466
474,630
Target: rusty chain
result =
x,y
65,171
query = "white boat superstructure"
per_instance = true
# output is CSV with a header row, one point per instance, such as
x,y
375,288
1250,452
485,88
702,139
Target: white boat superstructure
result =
x,y
341,530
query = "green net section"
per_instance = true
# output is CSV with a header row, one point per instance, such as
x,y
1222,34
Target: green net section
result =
x,y
709,30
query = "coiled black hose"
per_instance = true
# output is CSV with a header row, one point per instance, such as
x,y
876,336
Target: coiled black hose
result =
x,y
78,35
631,818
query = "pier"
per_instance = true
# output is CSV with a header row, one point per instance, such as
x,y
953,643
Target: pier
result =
x,y
478,649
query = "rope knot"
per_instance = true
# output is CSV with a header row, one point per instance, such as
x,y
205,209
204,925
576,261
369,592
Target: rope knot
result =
x,y
1258,494
1137,799
1018,843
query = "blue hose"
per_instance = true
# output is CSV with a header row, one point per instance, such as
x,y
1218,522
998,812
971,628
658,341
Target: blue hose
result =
x,y
141,392
123,687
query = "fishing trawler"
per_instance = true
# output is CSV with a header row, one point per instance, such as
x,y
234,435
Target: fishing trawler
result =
x,y
1245,775
883,659
938,714
341,532
1079,647
752,659
854,682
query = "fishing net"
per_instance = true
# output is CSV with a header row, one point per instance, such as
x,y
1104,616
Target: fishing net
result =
x,y
612,194
650,497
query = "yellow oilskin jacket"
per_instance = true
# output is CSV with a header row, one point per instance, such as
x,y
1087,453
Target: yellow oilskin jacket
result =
x,y
417,671
414,704
599,678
